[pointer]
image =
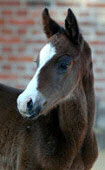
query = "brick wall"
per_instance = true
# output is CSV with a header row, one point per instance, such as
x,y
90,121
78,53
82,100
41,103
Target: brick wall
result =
x,y
21,37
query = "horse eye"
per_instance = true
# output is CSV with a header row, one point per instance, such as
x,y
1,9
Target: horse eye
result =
x,y
64,66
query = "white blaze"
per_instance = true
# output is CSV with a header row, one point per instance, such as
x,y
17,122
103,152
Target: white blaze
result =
x,y
31,92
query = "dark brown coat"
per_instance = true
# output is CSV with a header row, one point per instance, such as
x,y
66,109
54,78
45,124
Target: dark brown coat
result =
x,y
40,144
64,138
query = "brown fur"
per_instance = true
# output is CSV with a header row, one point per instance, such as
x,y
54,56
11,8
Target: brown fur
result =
x,y
32,144
64,138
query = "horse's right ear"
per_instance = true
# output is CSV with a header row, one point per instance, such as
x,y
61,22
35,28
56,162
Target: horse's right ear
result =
x,y
72,28
49,25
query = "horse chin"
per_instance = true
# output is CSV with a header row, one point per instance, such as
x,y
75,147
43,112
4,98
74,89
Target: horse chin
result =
x,y
36,113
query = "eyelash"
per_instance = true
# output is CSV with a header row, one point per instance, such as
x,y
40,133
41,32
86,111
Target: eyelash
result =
x,y
36,62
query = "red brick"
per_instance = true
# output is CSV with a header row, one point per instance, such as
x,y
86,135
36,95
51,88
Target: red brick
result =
x,y
21,31
84,14
29,41
100,52
96,5
7,12
14,40
21,49
2,40
7,49
99,89
100,79
63,4
21,67
36,32
35,13
21,12
6,76
9,3
22,22
6,31
100,33
27,77
2,21
1,58
87,23
20,59
99,70
97,42
94,60
11,40
6,67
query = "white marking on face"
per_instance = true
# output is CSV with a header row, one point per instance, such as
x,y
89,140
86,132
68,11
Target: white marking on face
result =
x,y
31,92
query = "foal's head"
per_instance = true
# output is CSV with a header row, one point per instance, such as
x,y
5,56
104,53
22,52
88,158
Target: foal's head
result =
x,y
60,67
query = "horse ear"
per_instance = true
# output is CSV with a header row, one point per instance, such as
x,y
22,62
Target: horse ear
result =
x,y
72,28
49,25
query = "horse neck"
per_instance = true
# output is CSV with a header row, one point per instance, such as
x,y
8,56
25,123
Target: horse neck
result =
x,y
11,95
72,110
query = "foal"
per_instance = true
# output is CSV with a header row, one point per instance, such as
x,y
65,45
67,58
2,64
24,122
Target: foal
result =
x,y
58,105
62,89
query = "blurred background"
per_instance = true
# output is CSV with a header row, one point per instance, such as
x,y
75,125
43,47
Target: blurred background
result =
x,y
22,37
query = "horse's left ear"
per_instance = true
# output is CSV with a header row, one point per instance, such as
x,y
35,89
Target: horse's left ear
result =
x,y
49,25
72,28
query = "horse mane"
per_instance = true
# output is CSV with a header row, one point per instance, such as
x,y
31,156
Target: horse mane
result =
x,y
88,85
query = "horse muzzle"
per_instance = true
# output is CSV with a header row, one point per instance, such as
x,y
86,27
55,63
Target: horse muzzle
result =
x,y
30,109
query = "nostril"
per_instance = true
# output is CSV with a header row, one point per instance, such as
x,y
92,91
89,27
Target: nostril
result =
x,y
30,104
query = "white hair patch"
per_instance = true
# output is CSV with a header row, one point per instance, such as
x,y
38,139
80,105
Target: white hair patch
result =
x,y
31,92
